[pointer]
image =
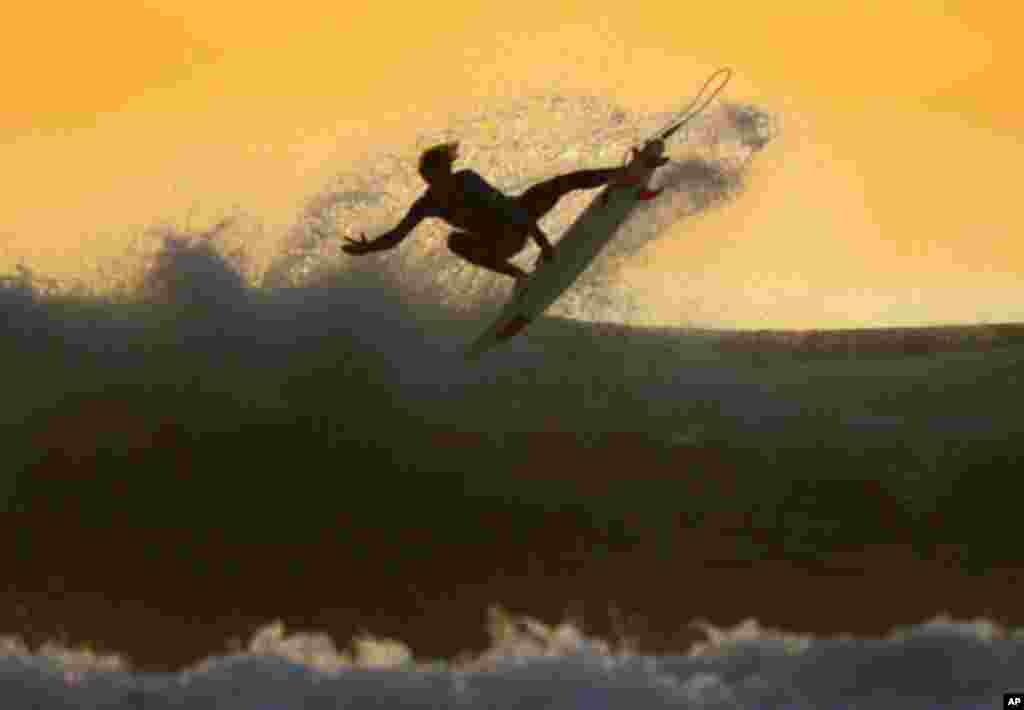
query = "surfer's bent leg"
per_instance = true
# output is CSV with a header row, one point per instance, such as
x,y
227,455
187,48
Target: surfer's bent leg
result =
x,y
491,255
539,199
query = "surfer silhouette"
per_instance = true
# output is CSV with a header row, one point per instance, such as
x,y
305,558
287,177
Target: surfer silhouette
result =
x,y
491,226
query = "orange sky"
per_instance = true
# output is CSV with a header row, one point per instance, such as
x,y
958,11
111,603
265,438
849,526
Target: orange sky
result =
x,y
905,145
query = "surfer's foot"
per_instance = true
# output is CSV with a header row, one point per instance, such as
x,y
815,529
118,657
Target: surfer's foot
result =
x,y
639,168
650,156
649,162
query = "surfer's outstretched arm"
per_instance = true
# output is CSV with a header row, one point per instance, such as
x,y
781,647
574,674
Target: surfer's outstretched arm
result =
x,y
421,209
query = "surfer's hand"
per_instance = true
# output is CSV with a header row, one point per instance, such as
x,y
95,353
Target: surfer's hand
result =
x,y
358,246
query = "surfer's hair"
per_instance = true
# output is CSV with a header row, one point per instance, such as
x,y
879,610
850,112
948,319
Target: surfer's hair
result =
x,y
438,159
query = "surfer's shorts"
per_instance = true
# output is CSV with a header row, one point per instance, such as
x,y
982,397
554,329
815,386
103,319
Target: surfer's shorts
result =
x,y
494,247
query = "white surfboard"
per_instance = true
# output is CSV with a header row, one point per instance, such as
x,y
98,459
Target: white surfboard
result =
x,y
584,240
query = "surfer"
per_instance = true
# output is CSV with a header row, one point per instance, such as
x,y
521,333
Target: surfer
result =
x,y
493,227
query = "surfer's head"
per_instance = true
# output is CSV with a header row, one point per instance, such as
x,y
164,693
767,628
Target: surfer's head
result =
x,y
436,162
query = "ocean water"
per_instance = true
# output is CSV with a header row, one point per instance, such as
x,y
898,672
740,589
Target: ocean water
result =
x,y
940,664
203,454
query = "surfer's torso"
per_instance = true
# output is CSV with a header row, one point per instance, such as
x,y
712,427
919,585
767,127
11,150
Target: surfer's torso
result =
x,y
476,206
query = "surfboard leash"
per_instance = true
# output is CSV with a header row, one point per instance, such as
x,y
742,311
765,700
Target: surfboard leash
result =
x,y
689,113
657,143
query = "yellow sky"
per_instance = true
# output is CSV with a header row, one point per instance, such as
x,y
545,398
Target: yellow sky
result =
x,y
901,145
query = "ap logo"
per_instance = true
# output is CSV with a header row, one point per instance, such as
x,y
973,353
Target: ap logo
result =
x,y
1014,700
